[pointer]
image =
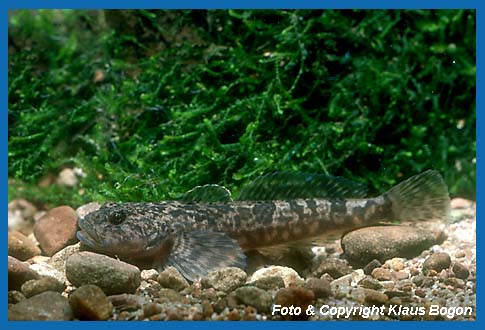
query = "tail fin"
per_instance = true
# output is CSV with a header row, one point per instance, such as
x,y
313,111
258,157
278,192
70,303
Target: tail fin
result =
x,y
420,198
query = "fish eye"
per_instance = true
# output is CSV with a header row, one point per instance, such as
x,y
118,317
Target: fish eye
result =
x,y
117,217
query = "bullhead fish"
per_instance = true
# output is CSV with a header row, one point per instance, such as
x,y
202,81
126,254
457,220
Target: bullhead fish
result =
x,y
206,229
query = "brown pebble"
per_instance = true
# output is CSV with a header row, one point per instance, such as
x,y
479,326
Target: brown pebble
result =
x,y
220,305
460,270
126,301
207,309
233,315
413,271
19,273
295,296
420,292
437,262
170,295
334,267
370,283
89,302
320,287
174,314
382,274
21,247
172,279
373,297
56,229
400,275
397,264
460,254
371,266
151,309
249,313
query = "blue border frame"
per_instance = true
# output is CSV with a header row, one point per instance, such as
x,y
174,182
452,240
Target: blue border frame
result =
x,y
193,4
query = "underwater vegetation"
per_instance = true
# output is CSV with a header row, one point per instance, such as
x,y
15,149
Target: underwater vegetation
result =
x,y
149,104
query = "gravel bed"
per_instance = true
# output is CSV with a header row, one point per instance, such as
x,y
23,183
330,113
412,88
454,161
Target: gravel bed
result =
x,y
421,272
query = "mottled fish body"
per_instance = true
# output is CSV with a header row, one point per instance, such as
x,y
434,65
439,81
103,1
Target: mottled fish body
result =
x,y
206,230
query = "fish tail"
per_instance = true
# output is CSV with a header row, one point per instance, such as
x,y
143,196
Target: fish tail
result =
x,y
422,197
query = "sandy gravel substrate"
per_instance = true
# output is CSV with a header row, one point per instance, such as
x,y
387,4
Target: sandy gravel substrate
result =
x,y
421,272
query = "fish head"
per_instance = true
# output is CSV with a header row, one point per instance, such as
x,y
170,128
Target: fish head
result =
x,y
124,230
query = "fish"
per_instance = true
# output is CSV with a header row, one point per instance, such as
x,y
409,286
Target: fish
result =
x,y
207,229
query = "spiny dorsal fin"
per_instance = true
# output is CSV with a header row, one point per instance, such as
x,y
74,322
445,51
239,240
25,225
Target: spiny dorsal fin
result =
x,y
287,185
209,193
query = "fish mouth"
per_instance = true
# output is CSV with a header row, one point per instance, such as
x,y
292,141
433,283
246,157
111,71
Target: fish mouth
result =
x,y
86,239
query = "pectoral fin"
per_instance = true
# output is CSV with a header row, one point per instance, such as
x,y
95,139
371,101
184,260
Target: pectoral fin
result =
x,y
198,253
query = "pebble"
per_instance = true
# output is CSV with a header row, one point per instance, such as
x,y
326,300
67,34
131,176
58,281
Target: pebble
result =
x,y
420,292
85,209
370,283
382,274
111,275
226,279
149,274
89,302
319,286
334,267
371,266
46,270
151,309
126,301
170,295
289,275
460,270
297,297
397,264
437,262
56,229
58,260
19,273
34,287
374,297
44,306
21,247
269,283
253,296
172,279
385,242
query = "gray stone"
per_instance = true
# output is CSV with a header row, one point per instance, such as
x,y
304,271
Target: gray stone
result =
x,y
253,296
111,275
226,279
45,306
21,247
319,286
34,287
385,242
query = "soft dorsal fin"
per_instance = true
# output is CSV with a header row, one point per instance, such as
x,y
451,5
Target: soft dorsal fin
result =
x,y
287,185
209,193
